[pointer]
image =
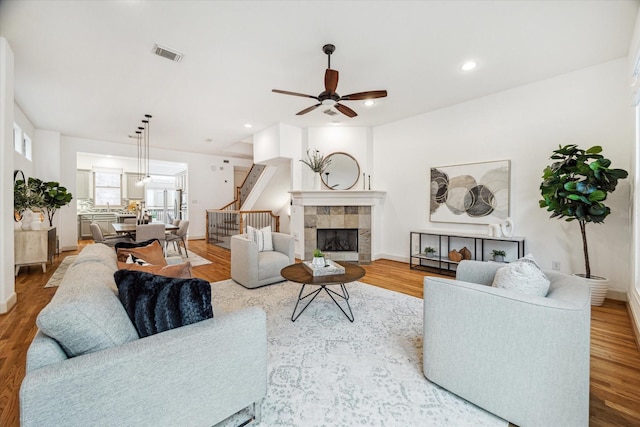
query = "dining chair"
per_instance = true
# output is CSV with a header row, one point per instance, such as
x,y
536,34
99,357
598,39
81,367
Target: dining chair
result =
x,y
98,237
180,235
146,232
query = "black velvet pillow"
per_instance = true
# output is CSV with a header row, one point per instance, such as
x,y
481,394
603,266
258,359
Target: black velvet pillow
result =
x,y
158,303
129,245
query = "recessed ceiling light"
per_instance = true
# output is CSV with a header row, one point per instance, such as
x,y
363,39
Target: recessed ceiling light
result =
x,y
208,140
468,66
248,125
336,123
369,102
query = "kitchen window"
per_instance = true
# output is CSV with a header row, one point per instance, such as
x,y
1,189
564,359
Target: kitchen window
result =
x,y
107,187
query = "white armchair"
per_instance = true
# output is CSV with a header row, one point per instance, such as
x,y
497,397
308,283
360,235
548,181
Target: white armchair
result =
x,y
524,358
253,269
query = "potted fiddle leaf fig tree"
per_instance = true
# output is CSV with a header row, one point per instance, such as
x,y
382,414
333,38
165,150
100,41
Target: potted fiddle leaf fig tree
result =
x,y
53,195
575,187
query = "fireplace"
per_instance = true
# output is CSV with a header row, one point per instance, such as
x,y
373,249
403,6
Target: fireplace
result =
x,y
337,239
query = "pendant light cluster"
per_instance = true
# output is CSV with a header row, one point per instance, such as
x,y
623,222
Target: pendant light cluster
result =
x,y
142,137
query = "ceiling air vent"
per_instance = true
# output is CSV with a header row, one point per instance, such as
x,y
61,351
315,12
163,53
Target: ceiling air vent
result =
x,y
167,53
330,112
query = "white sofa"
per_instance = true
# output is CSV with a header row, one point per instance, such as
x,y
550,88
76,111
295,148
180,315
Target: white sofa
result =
x,y
523,358
194,375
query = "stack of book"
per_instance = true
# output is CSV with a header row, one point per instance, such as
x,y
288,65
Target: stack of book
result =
x,y
329,268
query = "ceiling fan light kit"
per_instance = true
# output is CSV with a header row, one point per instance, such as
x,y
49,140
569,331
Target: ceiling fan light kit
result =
x,y
329,97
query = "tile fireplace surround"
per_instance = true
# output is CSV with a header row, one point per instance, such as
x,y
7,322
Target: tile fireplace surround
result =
x,y
339,209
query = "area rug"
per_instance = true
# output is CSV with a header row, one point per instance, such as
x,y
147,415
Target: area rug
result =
x,y
326,371
57,275
193,258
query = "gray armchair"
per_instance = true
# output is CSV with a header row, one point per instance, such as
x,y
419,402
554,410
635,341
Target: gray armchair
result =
x,y
253,269
524,358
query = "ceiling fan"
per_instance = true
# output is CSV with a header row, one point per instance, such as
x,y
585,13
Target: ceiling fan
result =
x,y
329,97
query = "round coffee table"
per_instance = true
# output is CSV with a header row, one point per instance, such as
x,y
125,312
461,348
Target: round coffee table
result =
x,y
299,274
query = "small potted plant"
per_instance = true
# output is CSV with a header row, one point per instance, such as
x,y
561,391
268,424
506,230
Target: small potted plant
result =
x,y
498,255
429,251
318,258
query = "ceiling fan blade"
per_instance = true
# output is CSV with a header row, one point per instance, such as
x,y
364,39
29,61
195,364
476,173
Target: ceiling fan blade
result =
x,y
331,80
306,110
372,94
286,92
345,110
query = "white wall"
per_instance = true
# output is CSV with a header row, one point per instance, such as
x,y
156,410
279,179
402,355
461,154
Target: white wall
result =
x,y
633,66
210,183
525,124
20,161
8,297
355,141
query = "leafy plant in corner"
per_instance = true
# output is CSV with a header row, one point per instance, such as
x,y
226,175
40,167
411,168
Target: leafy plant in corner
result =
x,y
316,161
53,195
575,186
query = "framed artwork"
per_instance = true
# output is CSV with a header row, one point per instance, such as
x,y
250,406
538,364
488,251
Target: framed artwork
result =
x,y
474,193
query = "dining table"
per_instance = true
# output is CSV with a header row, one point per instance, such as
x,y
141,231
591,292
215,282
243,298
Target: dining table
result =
x,y
130,229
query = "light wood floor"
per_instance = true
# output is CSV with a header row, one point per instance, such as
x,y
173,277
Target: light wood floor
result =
x,y
615,360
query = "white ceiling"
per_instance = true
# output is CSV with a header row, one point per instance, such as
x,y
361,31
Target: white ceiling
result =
x,y
85,68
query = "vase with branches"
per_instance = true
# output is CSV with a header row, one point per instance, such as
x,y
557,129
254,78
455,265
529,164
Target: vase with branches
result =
x,y
316,161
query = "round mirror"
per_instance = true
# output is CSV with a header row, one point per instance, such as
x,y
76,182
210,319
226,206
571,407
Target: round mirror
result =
x,y
19,188
342,173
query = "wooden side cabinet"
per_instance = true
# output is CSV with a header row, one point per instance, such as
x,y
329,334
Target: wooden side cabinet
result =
x,y
34,247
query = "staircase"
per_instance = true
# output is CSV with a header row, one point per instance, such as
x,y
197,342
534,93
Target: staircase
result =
x,y
229,220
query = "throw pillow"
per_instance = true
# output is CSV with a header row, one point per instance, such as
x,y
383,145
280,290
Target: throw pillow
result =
x,y
178,271
524,276
261,237
157,303
150,251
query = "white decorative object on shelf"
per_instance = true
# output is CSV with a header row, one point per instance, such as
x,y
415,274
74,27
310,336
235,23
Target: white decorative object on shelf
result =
x,y
507,228
329,268
494,230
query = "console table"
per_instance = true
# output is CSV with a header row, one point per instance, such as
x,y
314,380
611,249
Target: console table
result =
x,y
443,242
34,247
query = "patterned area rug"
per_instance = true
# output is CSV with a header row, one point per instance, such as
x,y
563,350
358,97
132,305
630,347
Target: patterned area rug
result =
x,y
57,275
326,371
193,258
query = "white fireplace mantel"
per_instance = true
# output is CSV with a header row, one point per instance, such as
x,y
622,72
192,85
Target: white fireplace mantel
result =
x,y
338,198
300,200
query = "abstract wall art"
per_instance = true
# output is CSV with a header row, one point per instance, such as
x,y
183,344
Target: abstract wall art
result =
x,y
474,193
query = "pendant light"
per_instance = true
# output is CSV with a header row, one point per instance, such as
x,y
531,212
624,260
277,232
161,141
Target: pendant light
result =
x,y
147,131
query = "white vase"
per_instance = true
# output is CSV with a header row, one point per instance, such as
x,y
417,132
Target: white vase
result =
x,y
27,216
36,224
507,228
317,182
598,286
318,261
17,225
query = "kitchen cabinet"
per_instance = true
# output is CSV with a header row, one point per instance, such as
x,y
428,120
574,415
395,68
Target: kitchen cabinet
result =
x,y
104,220
134,192
181,181
34,247
83,184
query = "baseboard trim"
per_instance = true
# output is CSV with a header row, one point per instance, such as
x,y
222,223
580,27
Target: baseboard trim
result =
x,y
6,306
633,307
617,295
